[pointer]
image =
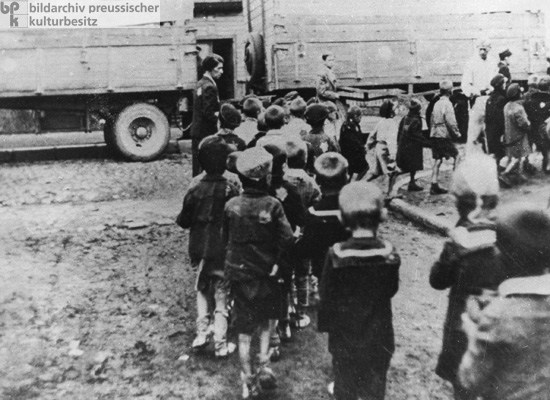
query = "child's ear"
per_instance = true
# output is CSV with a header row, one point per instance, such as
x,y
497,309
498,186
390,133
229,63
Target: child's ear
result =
x,y
384,215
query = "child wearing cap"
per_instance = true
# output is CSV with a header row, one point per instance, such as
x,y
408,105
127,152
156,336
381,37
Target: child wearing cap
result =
x,y
230,118
469,262
508,353
411,143
443,128
316,114
332,123
360,277
202,214
295,212
257,234
323,228
384,142
252,107
261,129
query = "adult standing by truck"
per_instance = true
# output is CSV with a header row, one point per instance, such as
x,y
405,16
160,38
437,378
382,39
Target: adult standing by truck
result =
x,y
478,73
206,105
326,80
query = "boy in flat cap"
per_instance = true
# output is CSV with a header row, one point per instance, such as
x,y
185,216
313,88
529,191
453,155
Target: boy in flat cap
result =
x,y
508,354
469,262
323,228
443,128
360,277
316,114
206,105
295,212
257,234
202,214
252,107
230,118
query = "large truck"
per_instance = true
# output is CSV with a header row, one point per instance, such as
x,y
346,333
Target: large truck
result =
x,y
279,44
138,79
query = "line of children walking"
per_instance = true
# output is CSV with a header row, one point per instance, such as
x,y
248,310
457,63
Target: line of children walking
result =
x,y
248,245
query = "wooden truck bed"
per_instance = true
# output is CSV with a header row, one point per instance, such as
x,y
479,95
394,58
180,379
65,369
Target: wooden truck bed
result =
x,y
95,61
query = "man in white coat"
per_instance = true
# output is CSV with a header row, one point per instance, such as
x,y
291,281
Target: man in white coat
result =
x,y
478,72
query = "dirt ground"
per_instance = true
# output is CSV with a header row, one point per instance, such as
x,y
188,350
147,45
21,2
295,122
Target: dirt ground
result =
x,y
97,301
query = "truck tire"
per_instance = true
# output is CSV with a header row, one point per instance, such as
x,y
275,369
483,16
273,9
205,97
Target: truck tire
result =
x,y
141,132
254,57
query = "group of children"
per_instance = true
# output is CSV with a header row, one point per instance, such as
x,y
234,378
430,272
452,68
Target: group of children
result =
x,y
260,224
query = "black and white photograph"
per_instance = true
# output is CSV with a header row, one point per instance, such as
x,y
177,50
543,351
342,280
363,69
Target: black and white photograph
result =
x,y
274,200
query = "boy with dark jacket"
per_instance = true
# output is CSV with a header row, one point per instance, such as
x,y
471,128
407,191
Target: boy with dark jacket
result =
x,y
323,228
202,214
360,277
257,234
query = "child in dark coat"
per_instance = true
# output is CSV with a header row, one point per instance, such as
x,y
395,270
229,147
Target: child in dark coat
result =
x,y
360,277
410,144
202,214
257,234
469,262
323,228
352,143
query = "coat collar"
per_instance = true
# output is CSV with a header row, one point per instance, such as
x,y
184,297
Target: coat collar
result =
x,y
532,285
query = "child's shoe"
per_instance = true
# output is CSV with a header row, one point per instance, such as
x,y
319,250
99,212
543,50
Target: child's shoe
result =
x,y
250,390
200,341
225,350
274,354
301,321
284,331
436,189
266,378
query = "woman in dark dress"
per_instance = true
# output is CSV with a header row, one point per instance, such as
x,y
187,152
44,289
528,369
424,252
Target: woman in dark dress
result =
x,y
410,144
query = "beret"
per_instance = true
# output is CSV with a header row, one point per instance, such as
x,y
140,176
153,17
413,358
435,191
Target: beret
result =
x,y
274,116
254,163
446,84
230,116
415,105
498,80
316,113
522,233
291,96
252,105
330,165
295,145
512,91
298,105
478,175
504,54
544,83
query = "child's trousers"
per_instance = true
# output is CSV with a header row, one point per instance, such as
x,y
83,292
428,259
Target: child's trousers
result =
x,y
212,305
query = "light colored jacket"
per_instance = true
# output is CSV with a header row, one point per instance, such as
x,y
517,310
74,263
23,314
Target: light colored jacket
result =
x,y
508,353
478,74
326,84
443,122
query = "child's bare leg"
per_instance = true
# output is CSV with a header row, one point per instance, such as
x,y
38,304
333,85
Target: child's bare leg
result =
x,y
435,171
265,375
244,353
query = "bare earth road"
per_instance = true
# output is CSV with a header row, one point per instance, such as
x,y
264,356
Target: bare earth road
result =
x,y
97,301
